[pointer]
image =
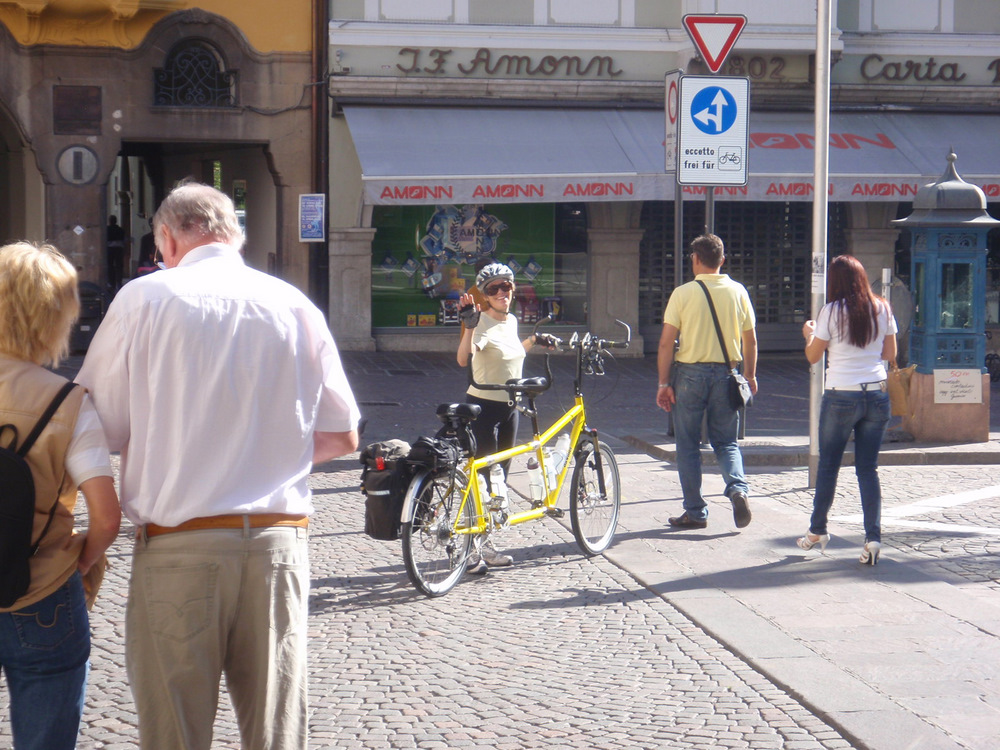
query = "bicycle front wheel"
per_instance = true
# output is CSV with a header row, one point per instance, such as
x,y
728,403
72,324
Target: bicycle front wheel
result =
x,y
593,512
434,553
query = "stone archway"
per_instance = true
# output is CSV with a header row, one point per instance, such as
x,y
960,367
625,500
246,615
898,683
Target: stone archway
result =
x,y
21,189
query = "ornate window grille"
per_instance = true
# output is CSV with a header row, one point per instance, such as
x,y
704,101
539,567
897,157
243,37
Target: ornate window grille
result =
x,y
194,75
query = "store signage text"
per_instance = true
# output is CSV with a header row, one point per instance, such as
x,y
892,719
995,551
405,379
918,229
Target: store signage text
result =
x,y
804,140
876,68
873,68
872,189
488,62
416,192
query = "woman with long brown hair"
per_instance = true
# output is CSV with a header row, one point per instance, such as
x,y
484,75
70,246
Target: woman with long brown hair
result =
x,y
858,331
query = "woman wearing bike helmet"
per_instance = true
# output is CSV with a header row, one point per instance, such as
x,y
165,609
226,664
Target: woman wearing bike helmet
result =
x,y
491,339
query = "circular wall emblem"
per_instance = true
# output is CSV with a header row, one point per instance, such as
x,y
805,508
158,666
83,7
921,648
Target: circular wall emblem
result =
x,y
77,165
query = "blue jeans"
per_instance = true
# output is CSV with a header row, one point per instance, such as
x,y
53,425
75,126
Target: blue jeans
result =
x,y
866,414
703,389
44,651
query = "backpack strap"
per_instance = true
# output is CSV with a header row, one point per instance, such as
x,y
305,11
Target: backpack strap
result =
x,y
44,419
30,441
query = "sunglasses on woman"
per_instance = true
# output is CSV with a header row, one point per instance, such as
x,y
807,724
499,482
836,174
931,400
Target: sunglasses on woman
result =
x,y
495,289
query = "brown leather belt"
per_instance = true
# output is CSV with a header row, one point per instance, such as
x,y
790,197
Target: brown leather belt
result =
x,y
233,521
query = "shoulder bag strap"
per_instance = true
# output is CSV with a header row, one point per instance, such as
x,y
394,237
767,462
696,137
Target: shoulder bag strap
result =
x,y
30,441
715,319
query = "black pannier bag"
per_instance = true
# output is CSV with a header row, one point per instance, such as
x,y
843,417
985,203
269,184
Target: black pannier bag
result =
x,y
434,454
384,480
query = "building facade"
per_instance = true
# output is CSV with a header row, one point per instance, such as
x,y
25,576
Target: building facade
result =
x,y
533,132
106,104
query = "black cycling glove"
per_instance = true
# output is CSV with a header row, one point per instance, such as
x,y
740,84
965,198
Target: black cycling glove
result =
x,y
547,339
469,315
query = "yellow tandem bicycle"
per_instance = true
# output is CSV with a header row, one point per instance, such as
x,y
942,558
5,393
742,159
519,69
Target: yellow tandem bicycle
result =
x,y
448,513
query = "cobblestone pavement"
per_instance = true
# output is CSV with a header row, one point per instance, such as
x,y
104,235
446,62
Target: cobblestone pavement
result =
x,y
558,651
674,640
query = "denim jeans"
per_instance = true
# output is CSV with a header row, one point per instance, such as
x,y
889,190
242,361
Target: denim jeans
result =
x,y
703,389
44,651
866,414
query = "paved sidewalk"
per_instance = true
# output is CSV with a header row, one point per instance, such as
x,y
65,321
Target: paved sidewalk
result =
x,y
903,655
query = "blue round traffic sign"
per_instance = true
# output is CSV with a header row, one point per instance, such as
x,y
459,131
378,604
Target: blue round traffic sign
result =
x,y
713,110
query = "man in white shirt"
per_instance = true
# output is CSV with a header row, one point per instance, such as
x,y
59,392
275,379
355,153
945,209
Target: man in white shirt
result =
x,y
221,386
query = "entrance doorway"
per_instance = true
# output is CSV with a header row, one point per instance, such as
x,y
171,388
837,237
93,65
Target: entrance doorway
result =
x,y
146,171
22,192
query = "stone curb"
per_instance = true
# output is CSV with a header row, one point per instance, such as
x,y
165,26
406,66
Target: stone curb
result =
x,y
798,455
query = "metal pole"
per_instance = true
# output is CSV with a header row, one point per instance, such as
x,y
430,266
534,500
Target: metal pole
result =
x,y
821,182
679,255
710,209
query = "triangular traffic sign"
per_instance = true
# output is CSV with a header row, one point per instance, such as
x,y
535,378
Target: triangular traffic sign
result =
x,y
714,36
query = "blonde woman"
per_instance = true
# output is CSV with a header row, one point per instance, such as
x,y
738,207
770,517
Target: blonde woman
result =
x,y
45,634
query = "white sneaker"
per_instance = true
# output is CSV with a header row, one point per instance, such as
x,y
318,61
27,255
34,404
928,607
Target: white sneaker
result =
x,y
494,558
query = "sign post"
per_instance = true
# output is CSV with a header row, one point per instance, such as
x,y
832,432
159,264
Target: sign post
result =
x,y
714,130
671,112
714,36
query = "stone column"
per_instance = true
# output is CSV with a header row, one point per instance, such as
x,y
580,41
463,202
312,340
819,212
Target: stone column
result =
x,y
614,284
875,248
351,288
871,239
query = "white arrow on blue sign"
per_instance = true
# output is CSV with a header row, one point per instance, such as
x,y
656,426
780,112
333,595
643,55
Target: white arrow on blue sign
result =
x,y
713,137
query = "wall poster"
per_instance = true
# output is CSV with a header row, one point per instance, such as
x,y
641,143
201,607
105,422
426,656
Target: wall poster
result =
x,y
425,257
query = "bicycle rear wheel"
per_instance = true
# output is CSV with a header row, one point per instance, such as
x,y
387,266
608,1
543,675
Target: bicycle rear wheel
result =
x,y
594,514
435,555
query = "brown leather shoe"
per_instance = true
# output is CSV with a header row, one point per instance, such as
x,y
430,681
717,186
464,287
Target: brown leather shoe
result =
x,y
741,509
684,521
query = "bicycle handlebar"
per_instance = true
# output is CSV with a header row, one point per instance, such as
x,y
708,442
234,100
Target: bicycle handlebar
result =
x,y
588,348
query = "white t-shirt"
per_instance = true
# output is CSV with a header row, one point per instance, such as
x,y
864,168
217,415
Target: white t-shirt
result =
x,y
87,454
848,364
497,355
211,378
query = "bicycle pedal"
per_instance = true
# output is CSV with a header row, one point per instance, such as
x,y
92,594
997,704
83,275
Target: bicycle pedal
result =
x,y
555,512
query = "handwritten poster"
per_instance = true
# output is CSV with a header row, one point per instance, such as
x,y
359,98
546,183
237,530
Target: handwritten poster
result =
x,y
958,386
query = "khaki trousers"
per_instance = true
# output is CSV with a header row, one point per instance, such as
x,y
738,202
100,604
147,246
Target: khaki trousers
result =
x,y
204,603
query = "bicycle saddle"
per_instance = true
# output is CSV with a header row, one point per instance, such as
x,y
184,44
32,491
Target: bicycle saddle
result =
x,y
528,386
462,412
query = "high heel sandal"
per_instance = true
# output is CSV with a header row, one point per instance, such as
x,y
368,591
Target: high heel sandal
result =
x,y
869,553
806,543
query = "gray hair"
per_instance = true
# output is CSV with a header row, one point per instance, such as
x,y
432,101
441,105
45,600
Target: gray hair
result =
x,y
199,213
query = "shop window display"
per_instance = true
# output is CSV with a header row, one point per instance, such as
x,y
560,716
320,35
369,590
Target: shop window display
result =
x,y
425,257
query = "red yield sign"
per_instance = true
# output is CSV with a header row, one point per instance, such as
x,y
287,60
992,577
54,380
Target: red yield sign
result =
x,y
714,36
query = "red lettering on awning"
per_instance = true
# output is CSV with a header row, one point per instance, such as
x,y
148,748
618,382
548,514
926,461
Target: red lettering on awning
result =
x,y
509,190
415,192
884,188
598,189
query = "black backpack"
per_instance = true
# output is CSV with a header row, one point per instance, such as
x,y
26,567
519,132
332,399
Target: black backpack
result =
x,y
17,507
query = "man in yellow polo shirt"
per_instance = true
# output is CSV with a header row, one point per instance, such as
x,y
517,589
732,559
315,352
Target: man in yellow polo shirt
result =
x,y
694,383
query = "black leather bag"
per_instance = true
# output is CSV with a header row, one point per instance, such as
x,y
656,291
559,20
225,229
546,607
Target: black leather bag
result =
x,y
740,395
739,391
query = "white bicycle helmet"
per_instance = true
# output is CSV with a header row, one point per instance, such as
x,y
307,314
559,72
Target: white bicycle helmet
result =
x,y
491,273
